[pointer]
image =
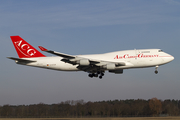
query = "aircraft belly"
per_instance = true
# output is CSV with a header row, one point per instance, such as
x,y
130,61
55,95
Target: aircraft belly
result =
x,y
148,62
53,63
66,67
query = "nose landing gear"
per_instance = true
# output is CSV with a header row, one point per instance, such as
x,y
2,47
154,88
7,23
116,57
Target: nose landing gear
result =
x,y
156,71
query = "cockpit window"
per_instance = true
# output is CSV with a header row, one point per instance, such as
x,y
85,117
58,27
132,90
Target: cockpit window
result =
x,y
160,51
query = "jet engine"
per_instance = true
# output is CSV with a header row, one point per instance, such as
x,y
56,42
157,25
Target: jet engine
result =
x,y
84,62
109,66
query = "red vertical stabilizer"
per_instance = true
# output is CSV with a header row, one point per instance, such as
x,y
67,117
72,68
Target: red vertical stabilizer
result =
x,y
24,49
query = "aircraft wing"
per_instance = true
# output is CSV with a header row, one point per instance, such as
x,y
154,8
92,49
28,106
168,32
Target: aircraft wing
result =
x,y
84,64
67,58
56,53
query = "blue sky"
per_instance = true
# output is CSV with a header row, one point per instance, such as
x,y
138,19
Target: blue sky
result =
x,y
88,27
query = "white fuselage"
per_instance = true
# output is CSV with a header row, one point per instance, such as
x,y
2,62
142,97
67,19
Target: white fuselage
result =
x,y
132,59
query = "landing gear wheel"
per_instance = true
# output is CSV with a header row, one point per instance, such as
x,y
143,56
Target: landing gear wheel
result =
x,y
99,74
102,74
156,72
90,75
95,75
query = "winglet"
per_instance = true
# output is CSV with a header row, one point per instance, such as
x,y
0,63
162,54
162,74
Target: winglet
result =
x,y
42,48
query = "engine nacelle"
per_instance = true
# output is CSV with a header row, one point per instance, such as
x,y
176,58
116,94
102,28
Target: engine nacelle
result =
x,y
110,66
84,62
120,71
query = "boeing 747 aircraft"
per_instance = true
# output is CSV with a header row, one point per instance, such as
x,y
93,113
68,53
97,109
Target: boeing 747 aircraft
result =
x,y
94,64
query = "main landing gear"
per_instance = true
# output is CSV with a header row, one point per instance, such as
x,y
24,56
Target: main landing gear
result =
x,y
100,74
156,71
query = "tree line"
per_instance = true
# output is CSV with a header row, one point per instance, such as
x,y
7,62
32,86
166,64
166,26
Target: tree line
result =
x,y
79,108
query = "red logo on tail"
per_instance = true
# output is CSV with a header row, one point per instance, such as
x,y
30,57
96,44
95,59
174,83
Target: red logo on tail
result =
x,y
24,49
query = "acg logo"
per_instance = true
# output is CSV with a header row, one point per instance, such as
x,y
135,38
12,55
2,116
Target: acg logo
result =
x,y
24,48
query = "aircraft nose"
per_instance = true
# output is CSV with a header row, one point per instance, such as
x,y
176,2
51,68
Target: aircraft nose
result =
x,y
170,58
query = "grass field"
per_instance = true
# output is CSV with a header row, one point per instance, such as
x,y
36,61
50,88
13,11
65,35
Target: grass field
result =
x,y
124,118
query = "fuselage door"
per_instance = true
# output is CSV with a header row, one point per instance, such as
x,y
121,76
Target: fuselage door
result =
x,y
137,52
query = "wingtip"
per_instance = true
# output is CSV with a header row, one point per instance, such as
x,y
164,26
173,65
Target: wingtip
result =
x,y
42,48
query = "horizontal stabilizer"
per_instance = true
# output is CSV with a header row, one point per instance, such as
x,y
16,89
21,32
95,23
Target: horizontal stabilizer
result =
x,y
21,60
